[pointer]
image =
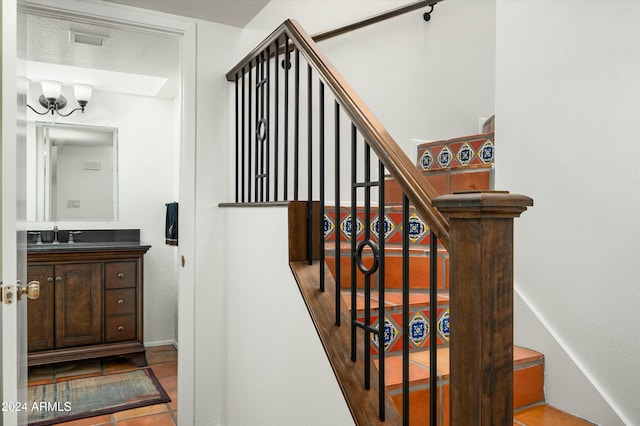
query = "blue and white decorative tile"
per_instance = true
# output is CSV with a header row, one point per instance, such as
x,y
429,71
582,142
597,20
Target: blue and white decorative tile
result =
x,y
390,334
444,324
445,157
487,152
418,329
329,226
345,226
426,160
465,154
389,227
417,228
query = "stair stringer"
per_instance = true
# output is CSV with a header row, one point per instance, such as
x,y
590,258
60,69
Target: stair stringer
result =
x,y
336,341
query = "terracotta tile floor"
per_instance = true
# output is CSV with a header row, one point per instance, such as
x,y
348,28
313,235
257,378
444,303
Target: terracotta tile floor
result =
x,y
163,360
543,415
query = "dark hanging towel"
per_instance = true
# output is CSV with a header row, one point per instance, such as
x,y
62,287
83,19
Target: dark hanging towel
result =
x,y
171,228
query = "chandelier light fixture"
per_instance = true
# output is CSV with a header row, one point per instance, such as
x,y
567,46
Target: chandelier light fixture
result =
x,y
53,101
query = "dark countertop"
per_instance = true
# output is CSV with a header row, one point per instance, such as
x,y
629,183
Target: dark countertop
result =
x,y
86,240
86,246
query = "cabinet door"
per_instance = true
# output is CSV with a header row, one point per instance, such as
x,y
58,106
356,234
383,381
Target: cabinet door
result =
x,y
40,311
78,306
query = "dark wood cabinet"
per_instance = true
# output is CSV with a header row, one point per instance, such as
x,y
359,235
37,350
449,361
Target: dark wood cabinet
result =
x,y
78,304
40,311
90,304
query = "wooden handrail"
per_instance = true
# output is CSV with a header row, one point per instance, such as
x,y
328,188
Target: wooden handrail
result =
x,y
401,168
325,35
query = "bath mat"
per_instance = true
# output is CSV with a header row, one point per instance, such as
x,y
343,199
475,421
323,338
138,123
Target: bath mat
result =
x,y
93,396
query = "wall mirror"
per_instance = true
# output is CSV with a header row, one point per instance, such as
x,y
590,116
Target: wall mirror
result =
x,y
72,172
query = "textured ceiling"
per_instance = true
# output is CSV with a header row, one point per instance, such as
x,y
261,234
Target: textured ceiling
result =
x,y
125,50
128,52
231,12
133,52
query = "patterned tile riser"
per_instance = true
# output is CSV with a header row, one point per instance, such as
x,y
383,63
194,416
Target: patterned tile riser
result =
x,y
419,326
461,153
418,229
463,167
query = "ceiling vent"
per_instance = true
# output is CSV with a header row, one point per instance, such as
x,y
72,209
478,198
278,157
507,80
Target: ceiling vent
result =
x,y
91,39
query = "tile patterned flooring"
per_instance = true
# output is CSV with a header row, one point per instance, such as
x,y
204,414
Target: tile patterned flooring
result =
x,y
163,360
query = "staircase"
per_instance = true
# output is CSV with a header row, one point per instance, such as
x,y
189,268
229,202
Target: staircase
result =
x,y
462,164
280,157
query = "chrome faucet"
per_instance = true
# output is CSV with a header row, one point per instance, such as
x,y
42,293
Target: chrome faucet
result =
x,y
71,234
55,235
38,235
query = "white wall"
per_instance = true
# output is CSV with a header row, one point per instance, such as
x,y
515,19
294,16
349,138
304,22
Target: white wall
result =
x,y
146,169
213,142
425,80
567,108
278,371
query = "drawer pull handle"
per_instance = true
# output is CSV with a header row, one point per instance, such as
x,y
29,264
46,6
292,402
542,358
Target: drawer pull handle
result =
x,y
121,328
50,279
58,279
120,302
120,275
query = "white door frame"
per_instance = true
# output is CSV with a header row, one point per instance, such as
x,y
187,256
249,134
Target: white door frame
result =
x,y
118,15
13,325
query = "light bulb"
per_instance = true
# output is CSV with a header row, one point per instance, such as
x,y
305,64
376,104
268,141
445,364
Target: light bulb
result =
x,y
82,92
51,89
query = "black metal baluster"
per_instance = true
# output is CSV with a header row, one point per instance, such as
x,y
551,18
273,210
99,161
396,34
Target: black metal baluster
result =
x,y
321,178
237,131
257,121
433,336
309,165
354,227
296,125
242,174
276,120
249,134
381,285
338,254
268,123
405,310
367,276
287,62
267,181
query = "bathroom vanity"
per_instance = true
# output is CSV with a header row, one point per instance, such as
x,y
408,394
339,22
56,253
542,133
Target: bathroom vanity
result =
x,y
91,297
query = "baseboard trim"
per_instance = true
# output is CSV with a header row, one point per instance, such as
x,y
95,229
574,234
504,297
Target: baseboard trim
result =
x,y
571,355
161,343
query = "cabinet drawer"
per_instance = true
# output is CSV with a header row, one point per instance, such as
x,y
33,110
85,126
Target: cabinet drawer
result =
x,y
119,328
120,274
120,301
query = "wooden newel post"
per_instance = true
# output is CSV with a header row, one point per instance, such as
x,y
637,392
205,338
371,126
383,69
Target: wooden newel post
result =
x,y
481,256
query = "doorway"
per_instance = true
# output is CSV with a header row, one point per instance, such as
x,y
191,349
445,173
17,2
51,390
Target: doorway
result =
x,y
158,97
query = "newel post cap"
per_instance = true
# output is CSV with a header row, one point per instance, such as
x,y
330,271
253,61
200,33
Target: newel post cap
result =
x,y
473,204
